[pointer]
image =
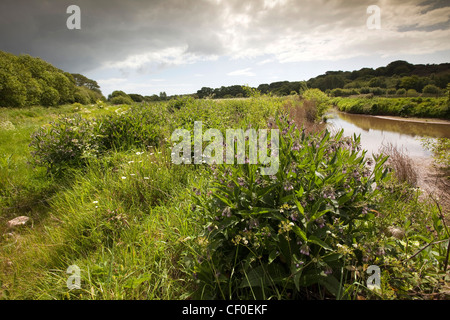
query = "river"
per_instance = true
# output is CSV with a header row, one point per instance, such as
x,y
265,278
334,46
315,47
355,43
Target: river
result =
x,y
377,131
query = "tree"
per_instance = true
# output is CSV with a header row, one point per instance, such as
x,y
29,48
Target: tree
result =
x,y
163,96
430,89
25,80
205,92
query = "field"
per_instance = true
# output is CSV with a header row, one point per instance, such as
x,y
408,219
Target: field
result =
x,y
102,194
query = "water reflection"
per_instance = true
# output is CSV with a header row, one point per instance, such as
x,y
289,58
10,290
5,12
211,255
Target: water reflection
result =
x,y
376,131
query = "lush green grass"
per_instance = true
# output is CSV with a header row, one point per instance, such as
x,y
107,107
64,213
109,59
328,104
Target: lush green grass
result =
x,y
131,220
405,107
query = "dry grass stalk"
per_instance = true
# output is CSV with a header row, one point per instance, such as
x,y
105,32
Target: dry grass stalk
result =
x,y
401,163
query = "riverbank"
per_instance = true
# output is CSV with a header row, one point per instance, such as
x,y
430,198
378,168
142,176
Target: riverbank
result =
x,y
435,108
417,120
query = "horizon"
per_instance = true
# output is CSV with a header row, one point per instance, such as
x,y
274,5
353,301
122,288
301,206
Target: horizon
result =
x,y
179,47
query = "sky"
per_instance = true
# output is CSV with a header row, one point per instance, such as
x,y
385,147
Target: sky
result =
x,y
180,46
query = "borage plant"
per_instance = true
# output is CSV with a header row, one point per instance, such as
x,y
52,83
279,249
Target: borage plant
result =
x,y
293,234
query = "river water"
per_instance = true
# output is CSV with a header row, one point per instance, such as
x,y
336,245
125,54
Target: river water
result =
x,y
378,131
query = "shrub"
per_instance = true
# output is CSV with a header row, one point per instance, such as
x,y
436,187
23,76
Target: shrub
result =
x,y
320,99
401,92
50,97
121,100
281,236
412,93
430,89
65,143
133,128
72,142
391,91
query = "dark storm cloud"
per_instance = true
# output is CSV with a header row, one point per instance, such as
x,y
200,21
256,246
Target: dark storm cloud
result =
x,y
109,29
150,35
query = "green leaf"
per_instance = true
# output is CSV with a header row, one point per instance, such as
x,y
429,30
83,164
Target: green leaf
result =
x,y
315,240
273,255
342,200
300,233
300,192
332,284
317,215
299,207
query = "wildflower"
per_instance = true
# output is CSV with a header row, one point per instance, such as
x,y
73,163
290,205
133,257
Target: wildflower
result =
x,y
320,222
253,223
123,178
294,216
328,270
288,186
95,201
146,178
197,192
304,250
380,252
226,212
295,146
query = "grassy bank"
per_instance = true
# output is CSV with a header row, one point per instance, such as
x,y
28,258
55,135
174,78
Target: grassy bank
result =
x,y
102,193
404,107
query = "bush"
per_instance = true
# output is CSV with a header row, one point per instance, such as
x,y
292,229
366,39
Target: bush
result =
x,y
391,91
412,93
65,143
281,236
72,142
430,89
320,99
121,100
50,97
401,92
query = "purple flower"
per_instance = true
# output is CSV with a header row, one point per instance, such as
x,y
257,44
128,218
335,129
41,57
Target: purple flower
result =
x,y
304,250
296,146
288,186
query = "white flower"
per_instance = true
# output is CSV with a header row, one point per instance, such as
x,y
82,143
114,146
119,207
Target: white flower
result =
x,y
123,178
95,202
146,178
130,161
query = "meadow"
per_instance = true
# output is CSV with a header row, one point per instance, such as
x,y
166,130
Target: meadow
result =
x,y
102,193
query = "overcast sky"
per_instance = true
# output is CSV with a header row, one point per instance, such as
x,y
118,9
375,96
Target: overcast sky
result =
x,y
179,46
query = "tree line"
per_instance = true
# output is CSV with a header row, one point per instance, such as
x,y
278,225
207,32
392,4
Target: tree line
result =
x,y
397,78
26,81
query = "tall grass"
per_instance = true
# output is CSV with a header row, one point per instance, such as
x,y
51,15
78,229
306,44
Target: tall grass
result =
x,y
129,218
